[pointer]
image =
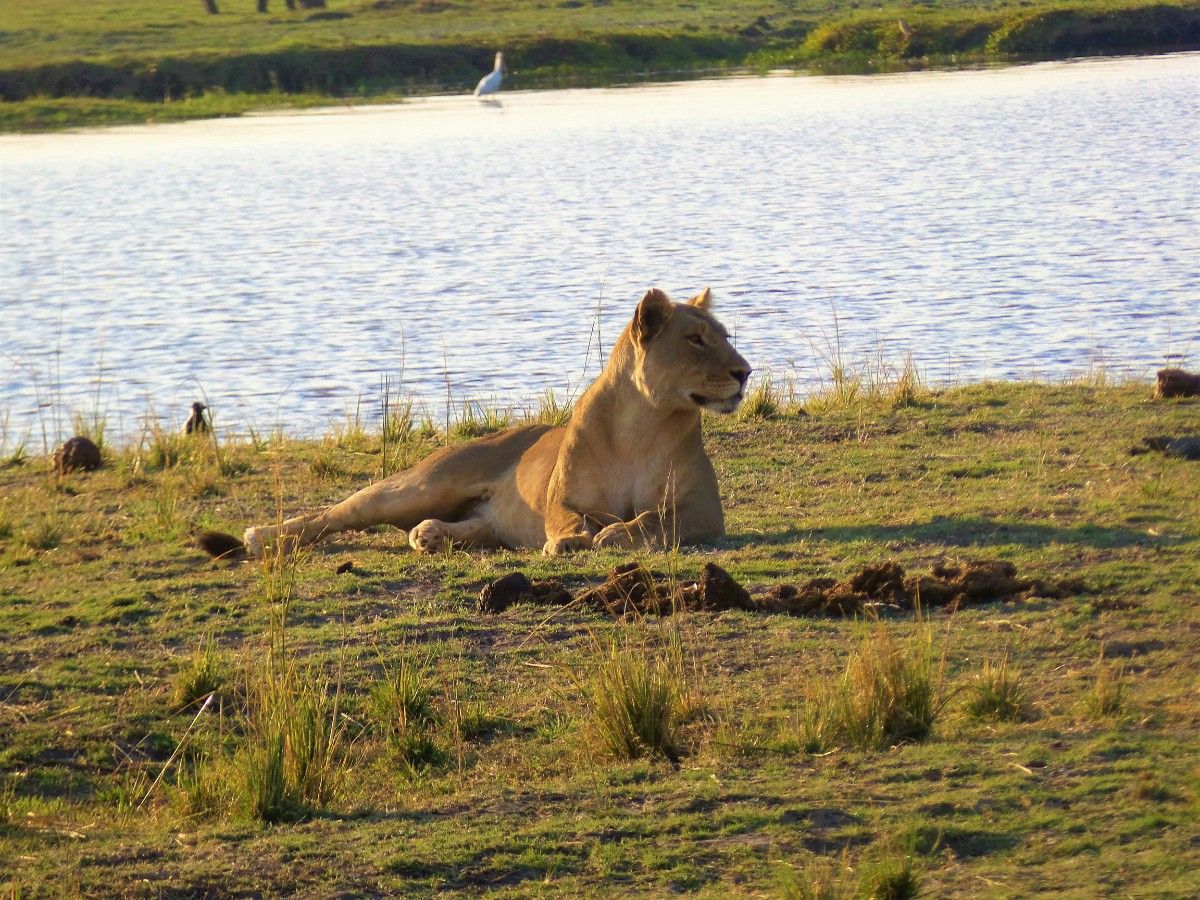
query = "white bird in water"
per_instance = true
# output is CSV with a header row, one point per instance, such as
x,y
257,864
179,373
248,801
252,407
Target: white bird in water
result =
x,y
490,83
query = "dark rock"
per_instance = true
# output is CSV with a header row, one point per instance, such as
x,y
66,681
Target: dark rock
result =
x,y
78,453
1176,383
1184,447
504,592
715,591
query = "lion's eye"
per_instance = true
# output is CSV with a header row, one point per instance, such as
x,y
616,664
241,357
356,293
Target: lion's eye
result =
x,y
696,339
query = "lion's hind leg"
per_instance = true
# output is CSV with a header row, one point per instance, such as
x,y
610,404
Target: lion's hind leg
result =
x,y
401,502
295,532
433,535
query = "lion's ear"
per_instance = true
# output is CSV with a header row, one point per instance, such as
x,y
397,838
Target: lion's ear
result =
x,y
702,300
652,314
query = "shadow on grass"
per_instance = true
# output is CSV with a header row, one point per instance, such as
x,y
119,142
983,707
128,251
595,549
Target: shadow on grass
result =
x,y
968,532
492,868
963,842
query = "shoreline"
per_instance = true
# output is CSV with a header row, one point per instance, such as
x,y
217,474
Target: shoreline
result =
x,y
410,418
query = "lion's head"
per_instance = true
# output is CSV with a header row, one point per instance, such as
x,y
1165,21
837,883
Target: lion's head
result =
x,y
683,358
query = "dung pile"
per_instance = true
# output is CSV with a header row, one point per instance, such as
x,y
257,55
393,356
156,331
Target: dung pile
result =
x,y
515,587
631,588
886,586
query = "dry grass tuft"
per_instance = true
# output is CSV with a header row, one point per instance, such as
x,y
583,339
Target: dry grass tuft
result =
x,y
475,420
638,698
891,692
764,402
999,694
1106,695
890,876
205,673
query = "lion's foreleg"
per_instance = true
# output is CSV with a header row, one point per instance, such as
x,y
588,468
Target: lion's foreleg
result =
x,y
566,531
654,529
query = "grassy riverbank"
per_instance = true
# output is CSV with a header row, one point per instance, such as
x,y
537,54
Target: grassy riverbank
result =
x,y
59,59
466,751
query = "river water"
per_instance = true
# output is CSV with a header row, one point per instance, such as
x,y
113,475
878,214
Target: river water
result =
x,y
1038,221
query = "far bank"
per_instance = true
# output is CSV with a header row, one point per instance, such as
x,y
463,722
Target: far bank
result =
x,y
212,66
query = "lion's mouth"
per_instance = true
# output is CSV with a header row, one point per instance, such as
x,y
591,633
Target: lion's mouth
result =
x,y
717,404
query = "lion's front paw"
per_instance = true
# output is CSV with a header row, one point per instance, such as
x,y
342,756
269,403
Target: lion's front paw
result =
x,y
253,539
570,543
430,536
616,536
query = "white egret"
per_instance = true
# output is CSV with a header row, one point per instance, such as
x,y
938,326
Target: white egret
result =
x,y
490,83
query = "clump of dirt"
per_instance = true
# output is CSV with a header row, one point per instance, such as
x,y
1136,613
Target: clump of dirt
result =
x,y
515,587
632,588
716,590
78,453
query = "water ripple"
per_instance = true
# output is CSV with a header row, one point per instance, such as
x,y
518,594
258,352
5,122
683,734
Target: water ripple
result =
x,y
994,224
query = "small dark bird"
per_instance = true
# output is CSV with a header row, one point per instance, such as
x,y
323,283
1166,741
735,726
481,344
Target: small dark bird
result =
x,y
221,546
77,453
197,423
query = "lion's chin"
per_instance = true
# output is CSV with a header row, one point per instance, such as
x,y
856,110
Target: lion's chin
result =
x,y
723,407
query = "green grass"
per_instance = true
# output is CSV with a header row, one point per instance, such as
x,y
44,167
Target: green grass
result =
x,y
506,787
403,700
55,113
64,64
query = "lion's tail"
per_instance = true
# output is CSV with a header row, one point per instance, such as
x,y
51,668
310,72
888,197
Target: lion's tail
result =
x,y
219,545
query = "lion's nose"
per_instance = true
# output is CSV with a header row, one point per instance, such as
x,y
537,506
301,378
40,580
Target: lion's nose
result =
x,y
742,375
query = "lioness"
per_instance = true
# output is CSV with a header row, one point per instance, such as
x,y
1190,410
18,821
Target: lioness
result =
x,y
628,469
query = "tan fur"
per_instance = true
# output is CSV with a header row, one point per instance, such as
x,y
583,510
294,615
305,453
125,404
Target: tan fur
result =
x,y
627,470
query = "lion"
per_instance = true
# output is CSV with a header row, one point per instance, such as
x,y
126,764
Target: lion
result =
x,y
628,470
